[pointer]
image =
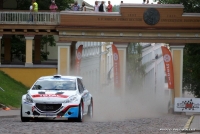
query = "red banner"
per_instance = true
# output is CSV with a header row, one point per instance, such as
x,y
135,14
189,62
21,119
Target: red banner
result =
x,y
168,66
117,78
78,59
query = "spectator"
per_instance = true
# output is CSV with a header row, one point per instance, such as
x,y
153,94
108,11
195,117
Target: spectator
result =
x,y
109,8
121,2
75,7
53,7
147,1
101,7
35,10
31,13
96,7
83,8
144,1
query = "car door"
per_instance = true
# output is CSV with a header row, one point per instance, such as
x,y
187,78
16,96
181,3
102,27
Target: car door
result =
x,y
83,94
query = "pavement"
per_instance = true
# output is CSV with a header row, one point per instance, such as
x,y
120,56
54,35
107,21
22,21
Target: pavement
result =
x,y
9,113
193,125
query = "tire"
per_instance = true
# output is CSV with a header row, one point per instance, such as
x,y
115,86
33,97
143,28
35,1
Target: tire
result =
x,y
90,110
80,113
24,119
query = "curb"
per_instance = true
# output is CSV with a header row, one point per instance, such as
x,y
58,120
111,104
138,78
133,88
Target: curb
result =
x,y
187,125
9,116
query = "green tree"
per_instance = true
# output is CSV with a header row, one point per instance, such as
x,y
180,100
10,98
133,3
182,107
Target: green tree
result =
x,y
115,8
191,62
18,42
136,70
191,6
191,69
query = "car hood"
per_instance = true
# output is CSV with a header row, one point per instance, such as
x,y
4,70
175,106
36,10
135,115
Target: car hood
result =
x,y
50,96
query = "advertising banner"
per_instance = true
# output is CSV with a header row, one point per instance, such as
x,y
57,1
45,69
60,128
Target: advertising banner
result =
x,y
78,59
168,66
187,105
116,66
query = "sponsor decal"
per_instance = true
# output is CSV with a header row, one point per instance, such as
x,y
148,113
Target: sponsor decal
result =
x,y
168,66
187,105
78,59
27,103
117,78
49,95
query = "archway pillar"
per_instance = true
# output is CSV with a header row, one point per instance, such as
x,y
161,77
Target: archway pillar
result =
x,y
29,50
177,56
7,49
64,58
37,49
0,48
122,50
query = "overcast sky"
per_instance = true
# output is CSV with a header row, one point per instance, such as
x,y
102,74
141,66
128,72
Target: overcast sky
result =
x,y
117,2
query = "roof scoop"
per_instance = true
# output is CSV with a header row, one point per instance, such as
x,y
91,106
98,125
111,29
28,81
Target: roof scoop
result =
x,y
57,76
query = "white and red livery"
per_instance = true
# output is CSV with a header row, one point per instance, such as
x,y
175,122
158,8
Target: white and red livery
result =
x,y
57,97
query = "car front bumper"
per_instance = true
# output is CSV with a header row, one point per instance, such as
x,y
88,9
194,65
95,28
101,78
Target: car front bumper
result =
x,y
61,110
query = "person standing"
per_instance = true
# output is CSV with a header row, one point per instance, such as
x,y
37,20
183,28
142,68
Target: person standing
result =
x,y
83,8
75,7
109,8
101,7
96,7
35,10
53,8
31,13
144,1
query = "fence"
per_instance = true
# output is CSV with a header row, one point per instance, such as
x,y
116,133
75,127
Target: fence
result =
x,y
26,17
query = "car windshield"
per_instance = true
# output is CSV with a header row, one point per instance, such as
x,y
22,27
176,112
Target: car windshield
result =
x,y
55,85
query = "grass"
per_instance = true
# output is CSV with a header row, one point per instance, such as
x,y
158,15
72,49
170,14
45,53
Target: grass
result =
x,y
13,91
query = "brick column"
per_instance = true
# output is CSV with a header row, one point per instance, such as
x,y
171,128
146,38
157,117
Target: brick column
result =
x,y
29,51
37,50
7,49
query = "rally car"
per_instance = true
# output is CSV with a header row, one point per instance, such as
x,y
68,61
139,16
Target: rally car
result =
x,y
57,97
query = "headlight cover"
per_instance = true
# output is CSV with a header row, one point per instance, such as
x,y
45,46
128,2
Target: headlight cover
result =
x,y
71,99
28,98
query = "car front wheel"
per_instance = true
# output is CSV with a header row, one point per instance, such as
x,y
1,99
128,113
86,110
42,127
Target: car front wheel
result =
x,y
24,119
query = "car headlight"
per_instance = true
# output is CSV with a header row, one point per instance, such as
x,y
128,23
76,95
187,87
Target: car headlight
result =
x,y
28,98
71,99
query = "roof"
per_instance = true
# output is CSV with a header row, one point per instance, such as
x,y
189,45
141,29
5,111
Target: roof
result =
x,y
59,76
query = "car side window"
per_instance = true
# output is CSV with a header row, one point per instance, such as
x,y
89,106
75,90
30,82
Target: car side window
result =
x,y
80,86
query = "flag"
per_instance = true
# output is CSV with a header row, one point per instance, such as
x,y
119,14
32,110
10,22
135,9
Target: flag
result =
x,y
116,66
78,59
168,66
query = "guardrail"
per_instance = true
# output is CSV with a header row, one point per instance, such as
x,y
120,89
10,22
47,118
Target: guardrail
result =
x,y
27,17
1,89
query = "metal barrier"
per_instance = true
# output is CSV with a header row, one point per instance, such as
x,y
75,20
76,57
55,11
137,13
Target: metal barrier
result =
x,y
1,89
26,17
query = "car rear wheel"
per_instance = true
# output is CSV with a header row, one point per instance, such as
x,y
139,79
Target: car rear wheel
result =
x,y
80,113
24,119
90,109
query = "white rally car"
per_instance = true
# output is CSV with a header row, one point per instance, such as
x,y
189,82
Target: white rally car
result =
x,y
57,97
